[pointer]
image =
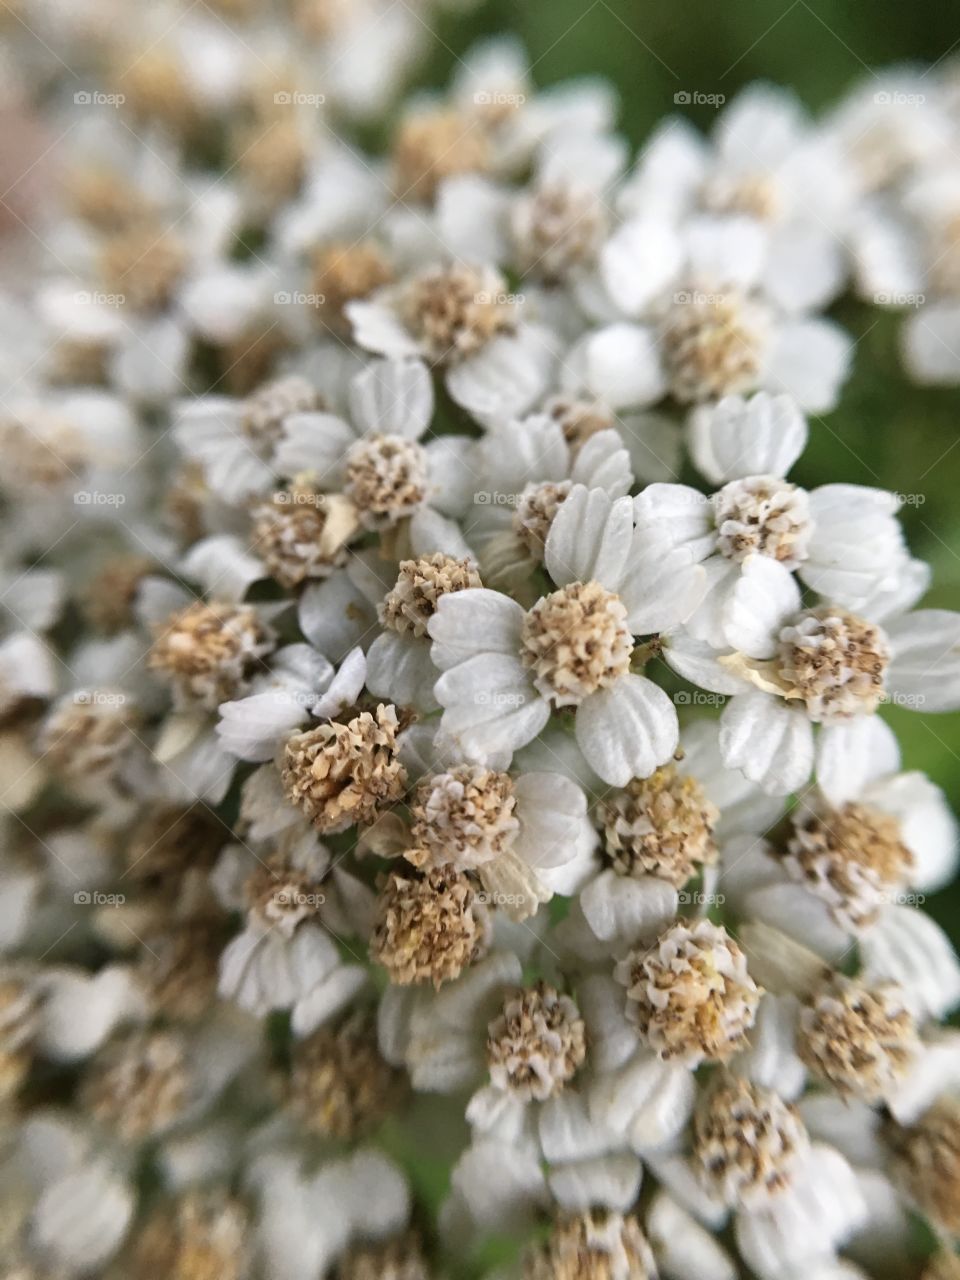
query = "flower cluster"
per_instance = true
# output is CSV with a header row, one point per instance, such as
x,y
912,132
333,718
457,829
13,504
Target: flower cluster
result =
x,y
383,533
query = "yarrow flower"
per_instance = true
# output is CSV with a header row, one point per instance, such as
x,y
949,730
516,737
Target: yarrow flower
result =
x,y
446,698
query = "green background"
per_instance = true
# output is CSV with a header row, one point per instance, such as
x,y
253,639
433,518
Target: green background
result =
x,y
885,432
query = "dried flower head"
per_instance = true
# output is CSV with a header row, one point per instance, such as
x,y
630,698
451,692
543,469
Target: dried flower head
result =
x,y
264,412
465,816
339,774
208,651
89,735
690,993
41,450
410,604
534,513
746,1142
763,515
859,1039
455,311
428,928
143,265
434,145
340,1087
386,479
536,1044
108,598
853,858
203,1235
139,1084
712,346
594,1245
557,228
400,1258
835,662
661,826
347,272
301,534
576,641
281,896
926,1164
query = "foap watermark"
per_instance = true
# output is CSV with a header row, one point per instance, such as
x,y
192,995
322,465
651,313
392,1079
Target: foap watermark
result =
x,y
698,298
696,898
297,898
96,898
698,698
85,298
899,299
94,98
95,498
486,698
493,498
296,298
298,498
483,298
295,98
910,499
897,98
483,98
99,698
495,899
694,98
910,701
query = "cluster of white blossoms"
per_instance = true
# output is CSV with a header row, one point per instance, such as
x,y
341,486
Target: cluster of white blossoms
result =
x,y
437,733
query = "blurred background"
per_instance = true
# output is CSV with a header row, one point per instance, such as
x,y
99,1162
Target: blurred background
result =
x,y
886,432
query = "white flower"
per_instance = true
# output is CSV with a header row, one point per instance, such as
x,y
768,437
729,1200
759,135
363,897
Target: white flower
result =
x,y
505,668
300,683
791,670
841,540
262,969
464,319
686,315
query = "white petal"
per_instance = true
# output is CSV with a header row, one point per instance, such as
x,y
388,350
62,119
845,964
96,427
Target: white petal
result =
x,y
335,615
589,539
852,754
222,566
662,591
764,596
80,1011
736,438
81,1219
603,463
626,731
626,911
621,365
392,397
315,443
611,1182
552,811
771,743
251,728
809,360
506,378
490,706
639,261
931,345
400,669
909,947
472,622
925,661
699,663
683,1248
377,327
